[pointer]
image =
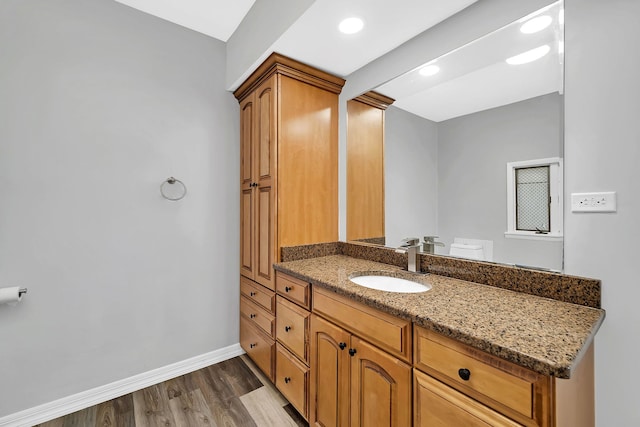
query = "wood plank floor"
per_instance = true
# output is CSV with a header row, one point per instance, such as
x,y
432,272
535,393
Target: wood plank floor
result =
x,y
227,394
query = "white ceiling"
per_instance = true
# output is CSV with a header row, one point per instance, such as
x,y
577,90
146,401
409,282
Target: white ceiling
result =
x,y
215,18
476,76
472,78
314,38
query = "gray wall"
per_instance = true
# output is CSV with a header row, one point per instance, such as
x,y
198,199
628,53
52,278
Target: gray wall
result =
x,y
473,151
411,176
602,147
99,104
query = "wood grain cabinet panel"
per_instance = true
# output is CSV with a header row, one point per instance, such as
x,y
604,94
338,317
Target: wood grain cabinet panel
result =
x,y
438,405
329,391
292,327
258,294
294,289
293,380
258,315
380,387
365,152
353,383
514,391
258,346
388,332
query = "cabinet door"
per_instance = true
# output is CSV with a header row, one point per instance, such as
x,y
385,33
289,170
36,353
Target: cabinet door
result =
x,y
264,177
247,194
380,387
438,405
329,394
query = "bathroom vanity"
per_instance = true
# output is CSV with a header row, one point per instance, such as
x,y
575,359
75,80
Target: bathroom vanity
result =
x,y
461,353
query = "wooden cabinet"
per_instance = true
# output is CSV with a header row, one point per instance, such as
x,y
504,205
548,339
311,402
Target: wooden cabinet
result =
x,y
257,170
518,393
289,162
365,167
358,376
288,182
354,383
292,335
438,405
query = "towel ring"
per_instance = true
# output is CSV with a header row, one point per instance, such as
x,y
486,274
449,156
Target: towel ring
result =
x,y
173,189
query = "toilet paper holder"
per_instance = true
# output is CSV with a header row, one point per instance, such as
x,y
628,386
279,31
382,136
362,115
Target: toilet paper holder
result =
x,y
22,291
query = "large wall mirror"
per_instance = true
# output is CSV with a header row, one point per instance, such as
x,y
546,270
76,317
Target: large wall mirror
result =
x,y
455,124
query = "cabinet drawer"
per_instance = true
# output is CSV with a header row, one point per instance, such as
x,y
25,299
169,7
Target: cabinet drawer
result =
x,y
502,382
436,404
382,329
258,315
294,289
292,327
258,294
292,379
259,347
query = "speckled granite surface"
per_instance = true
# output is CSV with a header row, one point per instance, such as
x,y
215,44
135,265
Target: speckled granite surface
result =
x,y
545,335
293,253
562,287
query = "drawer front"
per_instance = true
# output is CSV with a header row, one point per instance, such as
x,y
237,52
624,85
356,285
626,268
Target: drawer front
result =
x,y
258,315
436,403
259,347
382,329
258,294
292,379
292,327
294,289
453,363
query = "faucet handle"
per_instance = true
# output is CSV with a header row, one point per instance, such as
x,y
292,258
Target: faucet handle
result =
x,y
431,241
411,241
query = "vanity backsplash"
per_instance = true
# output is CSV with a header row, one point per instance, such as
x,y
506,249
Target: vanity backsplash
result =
x,y
557,286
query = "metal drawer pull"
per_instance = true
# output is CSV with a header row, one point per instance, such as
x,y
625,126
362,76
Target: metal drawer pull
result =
x,y
287,328
464,373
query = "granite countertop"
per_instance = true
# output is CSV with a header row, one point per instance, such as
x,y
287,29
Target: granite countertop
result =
x,y
545,335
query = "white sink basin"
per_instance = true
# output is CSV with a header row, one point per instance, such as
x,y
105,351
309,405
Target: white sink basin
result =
x,y
389,283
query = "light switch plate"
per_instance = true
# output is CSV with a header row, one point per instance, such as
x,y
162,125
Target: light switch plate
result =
x,y
594,202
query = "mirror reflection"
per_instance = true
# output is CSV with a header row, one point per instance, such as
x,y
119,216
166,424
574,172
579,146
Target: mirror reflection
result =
x,y
427,152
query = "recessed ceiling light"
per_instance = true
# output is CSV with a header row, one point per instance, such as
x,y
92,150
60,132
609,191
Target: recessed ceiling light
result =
x,y
529,56
351,25
536,24
429,70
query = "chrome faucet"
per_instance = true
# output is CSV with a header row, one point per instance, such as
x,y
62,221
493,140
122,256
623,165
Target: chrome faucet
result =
x,y
410,246
429,244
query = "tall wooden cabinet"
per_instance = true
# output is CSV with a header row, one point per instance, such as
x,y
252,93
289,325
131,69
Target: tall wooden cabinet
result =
x,y
365,167
289,183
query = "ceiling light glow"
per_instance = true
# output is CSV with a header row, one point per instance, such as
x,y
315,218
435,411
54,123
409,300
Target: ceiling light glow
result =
x,y
529,56
429,70
536,24
561,17
351,25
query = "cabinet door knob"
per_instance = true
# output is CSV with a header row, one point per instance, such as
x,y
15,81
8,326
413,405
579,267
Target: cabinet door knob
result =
x,y
464,373
287,380
253,294
253,316
287,328
352,352
342,345
252,345
288,288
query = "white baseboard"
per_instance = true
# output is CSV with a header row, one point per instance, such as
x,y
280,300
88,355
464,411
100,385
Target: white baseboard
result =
x,y
85,399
